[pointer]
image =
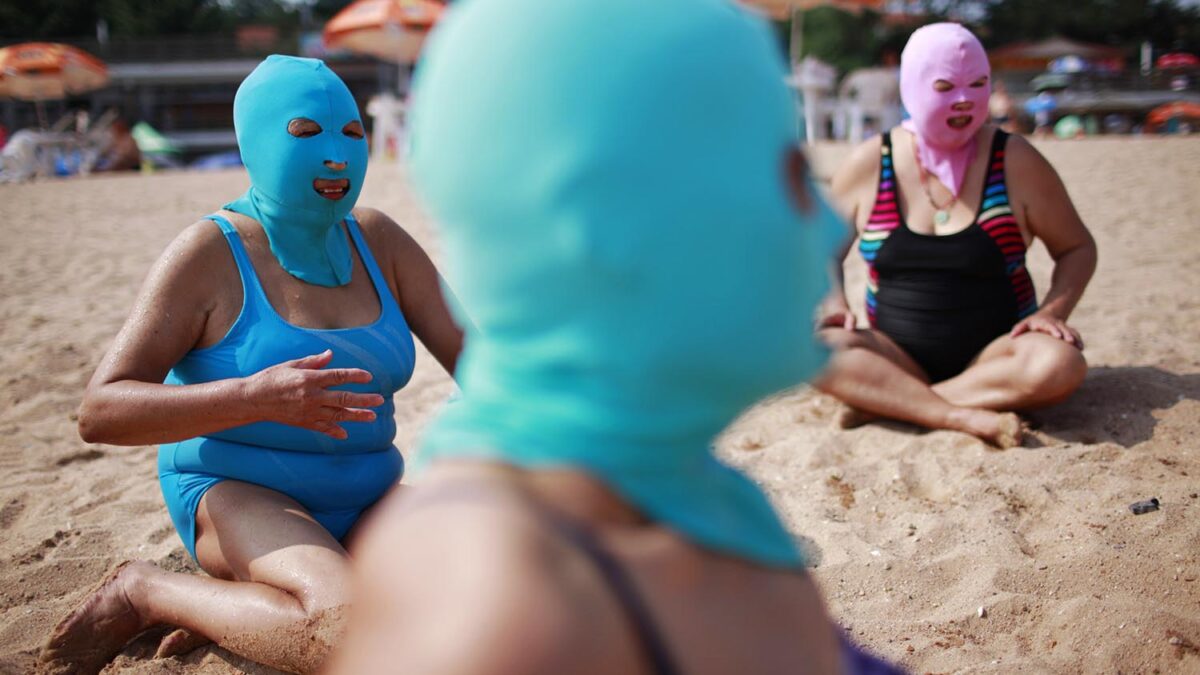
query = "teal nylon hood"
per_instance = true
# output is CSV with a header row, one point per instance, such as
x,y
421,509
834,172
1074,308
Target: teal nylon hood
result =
x,y
608,177
301,225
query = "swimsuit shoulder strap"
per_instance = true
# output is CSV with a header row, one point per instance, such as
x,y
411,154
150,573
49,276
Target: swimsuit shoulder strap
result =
x,y
623,588
251,288
377,279
994,182
999,143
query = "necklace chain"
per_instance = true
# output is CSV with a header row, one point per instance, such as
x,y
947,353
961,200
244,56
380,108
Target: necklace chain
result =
x,y
942,209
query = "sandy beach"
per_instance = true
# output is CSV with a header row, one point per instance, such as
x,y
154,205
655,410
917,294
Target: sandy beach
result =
x,y
932,549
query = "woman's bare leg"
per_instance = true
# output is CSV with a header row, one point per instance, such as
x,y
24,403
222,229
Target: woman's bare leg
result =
x,y
280,581
871,373
1029,371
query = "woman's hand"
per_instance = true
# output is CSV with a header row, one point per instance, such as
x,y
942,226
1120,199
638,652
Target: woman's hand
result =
x,y
1050,325
835,313
297,393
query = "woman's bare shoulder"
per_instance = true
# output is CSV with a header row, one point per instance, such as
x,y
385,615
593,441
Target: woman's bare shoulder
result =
x,y
386,237
199,251
859,167
1021,157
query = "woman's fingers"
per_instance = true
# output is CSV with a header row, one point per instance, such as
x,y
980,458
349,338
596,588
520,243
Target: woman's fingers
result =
x,y
332,377
348,414
311,362
329,429
350,399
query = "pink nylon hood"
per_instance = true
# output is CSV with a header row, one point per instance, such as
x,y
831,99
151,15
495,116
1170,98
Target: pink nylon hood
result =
x,y
944,51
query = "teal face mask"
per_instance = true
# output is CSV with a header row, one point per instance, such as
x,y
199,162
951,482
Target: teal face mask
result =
x,y
618,226
301,224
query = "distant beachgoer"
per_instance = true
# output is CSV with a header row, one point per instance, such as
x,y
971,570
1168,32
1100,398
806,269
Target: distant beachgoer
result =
x,y
641,251
1000,106
262,355
1042,108
121,152
946,207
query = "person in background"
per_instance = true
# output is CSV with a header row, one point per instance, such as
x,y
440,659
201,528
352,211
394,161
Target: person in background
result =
x,y
1041,108
121,153
1001,108
262,356
946,207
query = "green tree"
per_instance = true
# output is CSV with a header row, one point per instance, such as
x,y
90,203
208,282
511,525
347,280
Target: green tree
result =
x,y
37,19
1126,24
146,18
50,19
849,41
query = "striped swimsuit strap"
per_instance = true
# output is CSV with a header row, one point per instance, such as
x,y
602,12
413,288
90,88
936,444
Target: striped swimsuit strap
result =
x,y
996,218
884,219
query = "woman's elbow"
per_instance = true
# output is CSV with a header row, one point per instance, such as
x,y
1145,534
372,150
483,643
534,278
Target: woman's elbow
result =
x,y
90,422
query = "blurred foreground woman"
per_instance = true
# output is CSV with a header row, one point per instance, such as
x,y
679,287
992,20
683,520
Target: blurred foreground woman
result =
x,y
629,226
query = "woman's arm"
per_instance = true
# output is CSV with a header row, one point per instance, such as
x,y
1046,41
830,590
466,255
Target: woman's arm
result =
x,y
126,403
421,292
1047,211
850,182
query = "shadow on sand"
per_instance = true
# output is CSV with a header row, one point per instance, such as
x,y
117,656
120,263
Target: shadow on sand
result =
x,y
1115,405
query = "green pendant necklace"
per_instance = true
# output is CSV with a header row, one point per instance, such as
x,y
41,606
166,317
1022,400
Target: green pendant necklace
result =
x,y
941,213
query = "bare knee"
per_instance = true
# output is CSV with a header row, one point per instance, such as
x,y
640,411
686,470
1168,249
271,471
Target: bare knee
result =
x,y
321,585
1051,370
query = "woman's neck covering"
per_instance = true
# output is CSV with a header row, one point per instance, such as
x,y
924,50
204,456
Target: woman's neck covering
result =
x,y
609,182
302,226
944,51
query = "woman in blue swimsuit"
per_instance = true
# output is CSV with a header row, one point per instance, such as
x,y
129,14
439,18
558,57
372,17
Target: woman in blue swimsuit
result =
x,y
262,356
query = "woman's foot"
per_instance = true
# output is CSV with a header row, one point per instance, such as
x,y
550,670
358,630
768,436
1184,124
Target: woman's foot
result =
x,y
1002,430
849,417
180,641
97,629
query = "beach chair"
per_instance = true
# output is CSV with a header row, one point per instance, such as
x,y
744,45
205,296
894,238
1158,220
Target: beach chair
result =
x,y
55,151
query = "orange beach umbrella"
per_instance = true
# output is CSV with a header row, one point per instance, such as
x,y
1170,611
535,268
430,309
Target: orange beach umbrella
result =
x,y
1164,113
42,71
782,9
393,30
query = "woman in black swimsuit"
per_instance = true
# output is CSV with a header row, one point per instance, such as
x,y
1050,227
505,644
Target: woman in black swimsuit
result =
x,y
956,334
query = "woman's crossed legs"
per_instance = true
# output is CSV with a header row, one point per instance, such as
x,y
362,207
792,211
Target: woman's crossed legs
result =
x,y
876,377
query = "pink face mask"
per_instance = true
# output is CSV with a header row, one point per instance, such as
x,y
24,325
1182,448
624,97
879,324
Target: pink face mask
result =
x,y
948,52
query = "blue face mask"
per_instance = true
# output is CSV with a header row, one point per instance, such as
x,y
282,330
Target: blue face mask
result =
x,y
301,224
618,226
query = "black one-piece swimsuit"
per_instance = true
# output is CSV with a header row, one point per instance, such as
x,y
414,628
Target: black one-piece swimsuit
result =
x,y
943,298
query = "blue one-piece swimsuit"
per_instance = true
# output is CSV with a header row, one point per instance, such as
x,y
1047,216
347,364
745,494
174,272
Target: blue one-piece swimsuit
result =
x,y
335,480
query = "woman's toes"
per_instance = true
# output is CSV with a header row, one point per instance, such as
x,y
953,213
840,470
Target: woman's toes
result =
x,y
95,631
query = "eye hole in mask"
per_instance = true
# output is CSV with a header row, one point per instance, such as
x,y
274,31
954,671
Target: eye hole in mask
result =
x,y
302,127
943,86
354,130
795,168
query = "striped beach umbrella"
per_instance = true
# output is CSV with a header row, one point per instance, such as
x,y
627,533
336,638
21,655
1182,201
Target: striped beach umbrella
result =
x,y
45,71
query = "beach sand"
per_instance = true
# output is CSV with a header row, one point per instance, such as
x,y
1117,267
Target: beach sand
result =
x,y
910,533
